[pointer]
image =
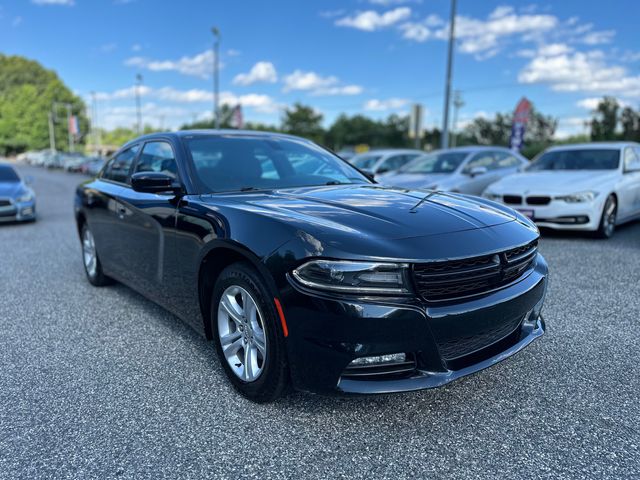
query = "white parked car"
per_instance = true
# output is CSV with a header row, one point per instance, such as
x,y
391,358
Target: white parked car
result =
x,y
589,187
377,162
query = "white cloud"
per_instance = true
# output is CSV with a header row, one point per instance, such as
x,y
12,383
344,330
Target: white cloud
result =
x,y
299,80
260,103
371,20
580,72
260,72
199,65
338,90
376,105
68,3
318,85
597,38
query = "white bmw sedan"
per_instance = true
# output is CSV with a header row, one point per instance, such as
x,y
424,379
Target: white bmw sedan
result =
x,y
589,187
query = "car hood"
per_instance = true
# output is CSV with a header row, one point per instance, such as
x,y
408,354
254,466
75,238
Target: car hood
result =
x,y
412,180
10,189
370,210
553,182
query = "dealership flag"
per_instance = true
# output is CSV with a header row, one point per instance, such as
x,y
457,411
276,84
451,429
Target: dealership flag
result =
x,y
520,119
73,125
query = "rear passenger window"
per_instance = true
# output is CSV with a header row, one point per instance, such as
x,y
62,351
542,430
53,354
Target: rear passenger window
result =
x,y
157,157
118,167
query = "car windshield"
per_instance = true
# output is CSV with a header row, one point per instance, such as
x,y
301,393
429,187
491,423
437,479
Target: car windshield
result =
x,y
8,174
366,162
587,159
233,162
435,163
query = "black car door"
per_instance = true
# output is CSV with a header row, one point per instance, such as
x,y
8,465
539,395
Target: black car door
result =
x,y
105,211
147,223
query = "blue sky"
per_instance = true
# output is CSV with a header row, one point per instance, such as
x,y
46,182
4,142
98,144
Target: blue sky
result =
x,y
356,56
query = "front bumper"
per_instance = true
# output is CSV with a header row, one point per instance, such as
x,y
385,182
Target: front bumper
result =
x,y
18,212
445,341
560,215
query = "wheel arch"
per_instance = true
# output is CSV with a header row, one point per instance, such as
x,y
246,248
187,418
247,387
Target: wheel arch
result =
x,y
214,259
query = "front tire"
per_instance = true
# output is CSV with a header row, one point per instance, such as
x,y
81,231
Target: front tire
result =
x,y
90,260
608,220
248,334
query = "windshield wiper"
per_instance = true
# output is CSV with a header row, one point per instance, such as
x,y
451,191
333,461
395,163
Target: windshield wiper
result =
x,y
249,189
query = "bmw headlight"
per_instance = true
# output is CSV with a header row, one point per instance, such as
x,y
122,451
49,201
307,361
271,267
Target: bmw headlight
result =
x,y
492,196
579,197
354,277
26,197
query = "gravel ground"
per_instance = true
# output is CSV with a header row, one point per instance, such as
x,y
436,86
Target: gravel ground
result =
x,y
101,383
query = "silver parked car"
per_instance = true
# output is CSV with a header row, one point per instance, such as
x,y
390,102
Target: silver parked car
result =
x,y
377,162
465,169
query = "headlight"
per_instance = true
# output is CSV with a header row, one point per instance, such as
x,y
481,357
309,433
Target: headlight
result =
x,y
354,277
27,197
492,196
578,197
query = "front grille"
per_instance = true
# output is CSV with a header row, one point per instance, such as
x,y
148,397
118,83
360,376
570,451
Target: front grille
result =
x,y
512,199
440,281
541,200
458,347
4,202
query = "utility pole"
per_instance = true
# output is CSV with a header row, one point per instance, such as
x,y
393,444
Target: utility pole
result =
x,y
138,106
52,133
447,92
69,127
458,103
216,80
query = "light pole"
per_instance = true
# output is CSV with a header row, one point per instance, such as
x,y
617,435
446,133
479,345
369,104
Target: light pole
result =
x,y
447,92
216,81
138,106
458,103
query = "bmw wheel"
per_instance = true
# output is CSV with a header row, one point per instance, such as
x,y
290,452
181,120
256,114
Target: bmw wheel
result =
x,y
248,334
608,220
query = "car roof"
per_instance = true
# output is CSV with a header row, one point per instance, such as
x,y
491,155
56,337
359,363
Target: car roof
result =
x,y
594,146
226,132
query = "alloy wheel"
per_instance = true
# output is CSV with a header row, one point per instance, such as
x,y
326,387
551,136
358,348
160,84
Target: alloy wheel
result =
x,y
241,333
609,217
89,253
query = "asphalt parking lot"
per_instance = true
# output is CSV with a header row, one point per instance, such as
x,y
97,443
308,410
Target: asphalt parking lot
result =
x,y
101,383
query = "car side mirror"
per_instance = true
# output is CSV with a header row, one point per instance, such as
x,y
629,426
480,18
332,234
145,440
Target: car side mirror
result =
x,y
475,171
154,182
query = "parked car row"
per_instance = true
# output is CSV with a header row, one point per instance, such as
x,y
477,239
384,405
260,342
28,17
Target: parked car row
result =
x,y
71,162
586,187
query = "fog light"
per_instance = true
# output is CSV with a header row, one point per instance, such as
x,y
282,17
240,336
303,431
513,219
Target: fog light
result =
x,y
27,211
392,358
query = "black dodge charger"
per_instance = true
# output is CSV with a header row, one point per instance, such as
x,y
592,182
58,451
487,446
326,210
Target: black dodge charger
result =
x,y
303,271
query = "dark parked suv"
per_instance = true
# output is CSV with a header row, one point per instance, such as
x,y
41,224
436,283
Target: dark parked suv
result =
x,y
302,270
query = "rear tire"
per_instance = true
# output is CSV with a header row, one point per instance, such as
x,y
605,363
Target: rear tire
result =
x,y
245,320
90,260
607,225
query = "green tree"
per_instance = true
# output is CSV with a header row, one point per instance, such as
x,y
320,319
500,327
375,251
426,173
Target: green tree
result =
x,y
630,121
605,120
303,121
27,94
